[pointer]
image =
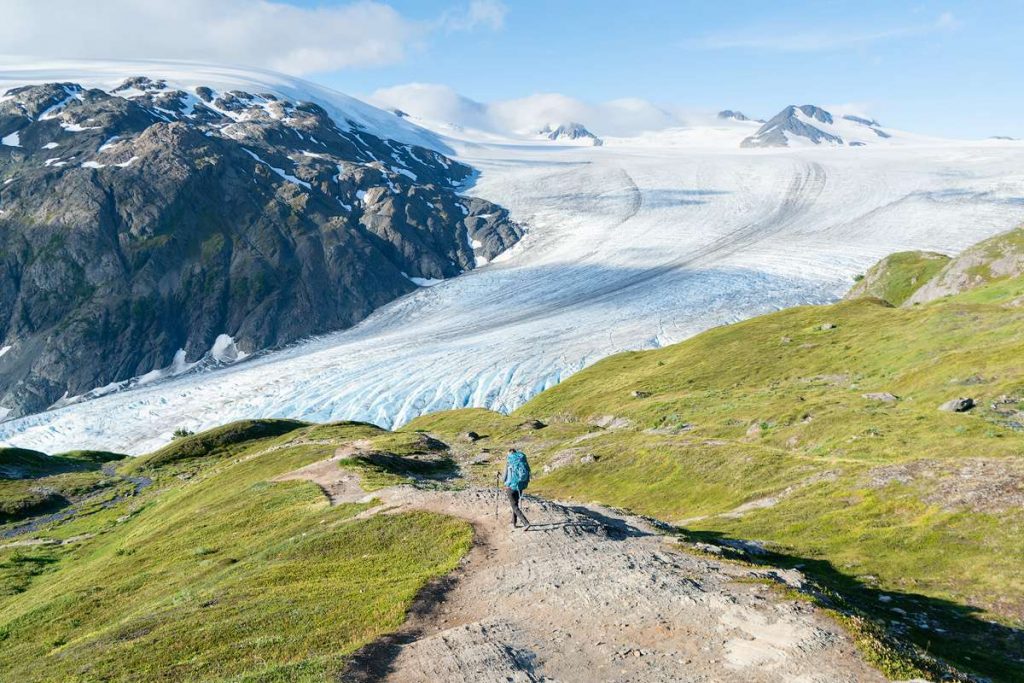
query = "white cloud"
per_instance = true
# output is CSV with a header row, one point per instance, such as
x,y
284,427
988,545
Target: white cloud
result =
x,y
478,13
262,33
442,104
819,39
434,102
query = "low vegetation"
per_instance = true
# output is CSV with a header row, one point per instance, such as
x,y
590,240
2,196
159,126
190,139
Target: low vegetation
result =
x,y
817,432
212,571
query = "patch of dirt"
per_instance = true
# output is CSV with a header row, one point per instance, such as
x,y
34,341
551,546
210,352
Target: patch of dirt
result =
x,y
570,456
611,422
589,594
978,484
340,486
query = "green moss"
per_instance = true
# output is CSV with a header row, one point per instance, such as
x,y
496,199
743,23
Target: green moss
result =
x,y
216,441
222,575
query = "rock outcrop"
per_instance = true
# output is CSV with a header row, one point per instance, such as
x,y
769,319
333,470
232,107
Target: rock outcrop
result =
x,y
996,258
794,121
571,132
143,228
808,124
895,278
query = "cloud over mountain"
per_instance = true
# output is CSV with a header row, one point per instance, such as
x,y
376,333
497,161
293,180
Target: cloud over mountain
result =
x,y
434,102
274,35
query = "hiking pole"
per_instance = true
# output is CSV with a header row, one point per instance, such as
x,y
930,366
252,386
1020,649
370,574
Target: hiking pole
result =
x,y
497,493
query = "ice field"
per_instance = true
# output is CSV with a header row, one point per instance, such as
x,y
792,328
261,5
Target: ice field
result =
x,y
632,245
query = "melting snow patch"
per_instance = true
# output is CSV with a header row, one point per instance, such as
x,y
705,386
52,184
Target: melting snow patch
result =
x,y
476,244
109,143
51,145
126,164
405,172
92,164
287,176
361,195
12,140
4,350
77,128
54,161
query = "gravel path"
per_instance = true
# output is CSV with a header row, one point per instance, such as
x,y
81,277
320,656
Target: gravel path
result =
x,y
589,594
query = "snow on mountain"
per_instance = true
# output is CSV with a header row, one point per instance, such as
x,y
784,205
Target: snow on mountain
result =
x,y
187,76
571,132
809,124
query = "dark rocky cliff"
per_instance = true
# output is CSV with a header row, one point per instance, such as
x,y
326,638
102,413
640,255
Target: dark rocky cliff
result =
x,y
140,225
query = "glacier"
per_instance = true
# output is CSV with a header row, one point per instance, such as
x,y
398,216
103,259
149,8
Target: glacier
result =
x,y
633,245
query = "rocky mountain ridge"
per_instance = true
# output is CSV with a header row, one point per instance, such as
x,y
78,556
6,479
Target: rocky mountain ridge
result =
x,y
810,124
574,132
147,227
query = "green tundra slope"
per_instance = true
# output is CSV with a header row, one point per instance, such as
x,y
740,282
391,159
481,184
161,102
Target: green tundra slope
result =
x,y
192,564
896,277
817,431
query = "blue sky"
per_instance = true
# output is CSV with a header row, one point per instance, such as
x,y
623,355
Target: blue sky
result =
x,y
949,68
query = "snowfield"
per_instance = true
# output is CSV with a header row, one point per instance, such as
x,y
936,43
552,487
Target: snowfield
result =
x,y
630,246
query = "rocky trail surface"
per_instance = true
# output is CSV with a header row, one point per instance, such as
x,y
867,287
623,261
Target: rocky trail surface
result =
x,y
590,594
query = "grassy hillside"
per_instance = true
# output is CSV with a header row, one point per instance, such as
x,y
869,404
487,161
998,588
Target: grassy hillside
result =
x,y
33,483
896,277
203,568
817,431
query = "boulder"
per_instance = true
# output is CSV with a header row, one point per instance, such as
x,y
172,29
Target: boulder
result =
x,y
958,405
471,437
610,422
883,396
532,424
640,394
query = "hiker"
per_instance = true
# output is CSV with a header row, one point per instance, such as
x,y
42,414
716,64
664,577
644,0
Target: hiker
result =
x,y
517,478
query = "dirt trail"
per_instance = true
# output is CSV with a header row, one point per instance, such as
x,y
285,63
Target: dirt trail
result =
x,y
588,594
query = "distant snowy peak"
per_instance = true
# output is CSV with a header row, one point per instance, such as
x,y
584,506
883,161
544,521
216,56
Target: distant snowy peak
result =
x,y
734,115
571,132
810,125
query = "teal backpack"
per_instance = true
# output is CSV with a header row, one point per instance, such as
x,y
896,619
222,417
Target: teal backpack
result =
x,y
517,471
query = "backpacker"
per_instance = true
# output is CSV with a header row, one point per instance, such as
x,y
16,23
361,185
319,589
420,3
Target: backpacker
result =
x,y
517,471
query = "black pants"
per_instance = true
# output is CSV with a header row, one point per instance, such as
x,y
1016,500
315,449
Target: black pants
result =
x,y
517,514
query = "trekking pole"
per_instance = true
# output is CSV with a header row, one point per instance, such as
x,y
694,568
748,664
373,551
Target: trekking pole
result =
x,y
497,493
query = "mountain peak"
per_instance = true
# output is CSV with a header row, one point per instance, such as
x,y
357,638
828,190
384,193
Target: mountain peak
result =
x,y
573,131
733,114
810,124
